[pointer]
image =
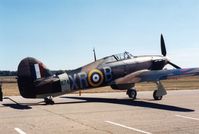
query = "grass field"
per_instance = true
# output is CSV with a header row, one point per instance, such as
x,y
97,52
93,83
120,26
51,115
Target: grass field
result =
x,y
10,87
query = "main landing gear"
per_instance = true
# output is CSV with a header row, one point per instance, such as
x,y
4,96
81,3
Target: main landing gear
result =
x,y
157,94
132,93
49,100
160,92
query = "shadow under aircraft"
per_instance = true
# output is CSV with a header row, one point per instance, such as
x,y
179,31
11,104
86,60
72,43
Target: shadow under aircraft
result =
x,y
127,102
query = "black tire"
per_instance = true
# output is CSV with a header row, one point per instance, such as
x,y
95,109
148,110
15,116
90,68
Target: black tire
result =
x,y
155,96
132,93
49,101
1,96
52,102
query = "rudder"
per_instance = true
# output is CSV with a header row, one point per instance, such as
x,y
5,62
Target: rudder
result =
x,y
30,70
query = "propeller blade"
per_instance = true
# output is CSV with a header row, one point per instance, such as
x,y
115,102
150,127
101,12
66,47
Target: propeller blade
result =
x,y
164,52
163,47
174,65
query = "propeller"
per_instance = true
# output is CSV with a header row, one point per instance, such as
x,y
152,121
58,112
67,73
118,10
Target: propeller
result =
x,y
164,52
174,65
163,47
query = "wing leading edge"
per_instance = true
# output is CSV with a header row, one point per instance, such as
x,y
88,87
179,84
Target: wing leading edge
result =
x,y
153,76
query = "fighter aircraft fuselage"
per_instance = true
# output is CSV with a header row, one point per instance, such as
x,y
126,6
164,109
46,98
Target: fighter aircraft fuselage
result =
x,y
100,73
120,71
103,71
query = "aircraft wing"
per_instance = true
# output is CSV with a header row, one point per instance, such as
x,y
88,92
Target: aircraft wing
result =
x,y
156,75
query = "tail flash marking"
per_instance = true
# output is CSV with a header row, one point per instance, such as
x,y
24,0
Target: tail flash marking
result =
x,y
37,71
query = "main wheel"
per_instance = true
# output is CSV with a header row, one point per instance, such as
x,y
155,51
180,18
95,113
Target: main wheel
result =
x,y
132,93
155,96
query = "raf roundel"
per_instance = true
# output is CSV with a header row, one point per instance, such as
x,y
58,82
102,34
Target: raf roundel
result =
x,y
95,78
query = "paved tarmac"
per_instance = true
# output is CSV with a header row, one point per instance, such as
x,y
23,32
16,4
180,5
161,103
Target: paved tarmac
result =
x,y
102,113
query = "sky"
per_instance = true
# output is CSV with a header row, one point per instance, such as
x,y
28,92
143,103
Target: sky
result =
x,y
63,33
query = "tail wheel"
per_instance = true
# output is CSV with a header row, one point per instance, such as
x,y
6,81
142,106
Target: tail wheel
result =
x,y
49,101
155,96
132,93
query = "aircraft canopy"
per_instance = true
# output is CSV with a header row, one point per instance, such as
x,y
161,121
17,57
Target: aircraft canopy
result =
x,y
118,57
123,56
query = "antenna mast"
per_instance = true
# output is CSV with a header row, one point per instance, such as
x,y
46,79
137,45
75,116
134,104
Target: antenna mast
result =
x,y
94,54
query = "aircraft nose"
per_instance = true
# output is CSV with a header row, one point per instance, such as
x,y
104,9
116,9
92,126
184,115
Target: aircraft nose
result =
x,y
159,62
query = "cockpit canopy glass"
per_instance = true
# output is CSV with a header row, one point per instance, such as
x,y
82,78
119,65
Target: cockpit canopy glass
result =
x,y
118,57
123,56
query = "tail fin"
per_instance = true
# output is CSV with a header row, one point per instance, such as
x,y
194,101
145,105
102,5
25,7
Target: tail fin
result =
x,y
30,70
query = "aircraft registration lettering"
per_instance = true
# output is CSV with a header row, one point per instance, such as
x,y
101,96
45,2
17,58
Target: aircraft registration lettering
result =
x,y
107,74
83,79
73,82
94,78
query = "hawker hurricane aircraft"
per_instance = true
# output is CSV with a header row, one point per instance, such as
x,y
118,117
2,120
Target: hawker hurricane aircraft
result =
x,y
119,71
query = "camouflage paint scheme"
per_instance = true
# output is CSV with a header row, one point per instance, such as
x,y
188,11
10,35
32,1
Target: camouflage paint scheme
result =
x,y
120,71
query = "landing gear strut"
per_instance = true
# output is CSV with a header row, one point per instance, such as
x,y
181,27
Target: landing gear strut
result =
x,y
160,92
132,93
49,100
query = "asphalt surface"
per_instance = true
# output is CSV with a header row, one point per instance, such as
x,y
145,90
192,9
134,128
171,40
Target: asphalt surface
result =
x,y
103,113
